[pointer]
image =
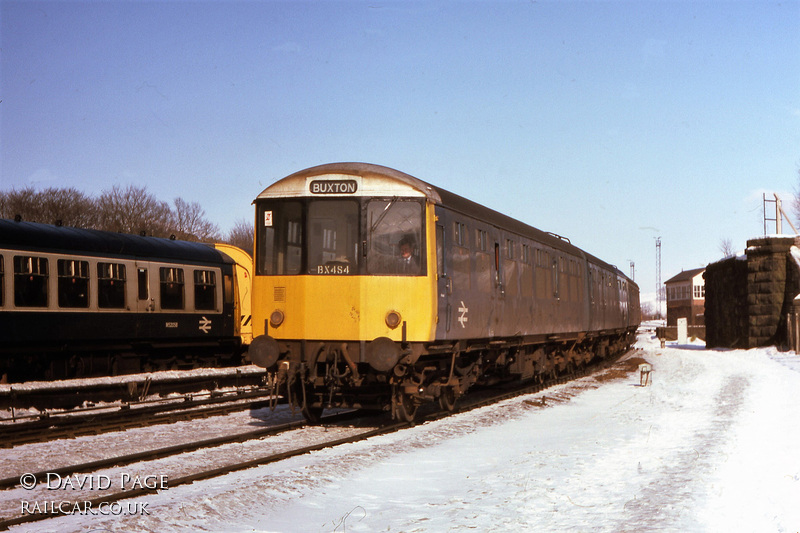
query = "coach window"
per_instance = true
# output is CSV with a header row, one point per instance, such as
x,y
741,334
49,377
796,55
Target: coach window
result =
x,y
460,234
556,279
205,290
510,247
30,281
73,283
333,237
394,238
481,240
171,288
111,286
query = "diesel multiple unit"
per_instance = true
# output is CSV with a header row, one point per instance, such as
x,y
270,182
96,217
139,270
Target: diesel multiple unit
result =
x,y
375,289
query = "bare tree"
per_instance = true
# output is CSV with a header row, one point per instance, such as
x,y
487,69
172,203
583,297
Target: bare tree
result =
x,y
190,223
241,235
134,210
21,203
726,247
129,209
67,206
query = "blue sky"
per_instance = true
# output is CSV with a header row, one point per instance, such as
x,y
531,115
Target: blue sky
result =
x,y
610,123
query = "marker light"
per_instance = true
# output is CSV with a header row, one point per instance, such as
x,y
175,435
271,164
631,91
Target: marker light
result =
x,y
393,319
276,318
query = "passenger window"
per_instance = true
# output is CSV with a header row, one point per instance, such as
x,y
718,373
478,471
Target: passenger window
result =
x,y
459,234
73,283
481,240
110,286
171,288
2,280
205,290
30,281
511,246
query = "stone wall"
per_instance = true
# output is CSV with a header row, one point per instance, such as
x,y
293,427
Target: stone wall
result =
x,y
726,307
748,299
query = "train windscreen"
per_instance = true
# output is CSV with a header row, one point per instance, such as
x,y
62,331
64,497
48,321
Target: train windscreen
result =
x,y
324,237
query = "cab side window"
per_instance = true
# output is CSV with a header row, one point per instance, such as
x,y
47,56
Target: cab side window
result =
x,y
395,237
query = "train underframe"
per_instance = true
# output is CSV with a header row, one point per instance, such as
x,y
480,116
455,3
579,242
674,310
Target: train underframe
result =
x,y
81,361
323,375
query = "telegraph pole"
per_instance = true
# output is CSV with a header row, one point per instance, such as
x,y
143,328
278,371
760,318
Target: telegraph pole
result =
x,y
658,275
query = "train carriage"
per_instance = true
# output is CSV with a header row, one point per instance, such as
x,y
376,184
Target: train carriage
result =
x,y
375,289
77,302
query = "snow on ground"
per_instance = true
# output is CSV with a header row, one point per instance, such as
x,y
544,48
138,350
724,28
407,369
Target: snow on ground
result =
x,y
165,375
711,445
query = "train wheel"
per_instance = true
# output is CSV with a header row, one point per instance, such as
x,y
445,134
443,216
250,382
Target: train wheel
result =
x,y
447,399
405,409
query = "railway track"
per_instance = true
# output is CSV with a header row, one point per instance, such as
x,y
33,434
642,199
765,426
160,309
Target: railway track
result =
x,y
69,394
254,450
94,421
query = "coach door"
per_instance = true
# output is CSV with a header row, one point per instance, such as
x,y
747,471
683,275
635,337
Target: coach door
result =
x,y
145,293
498,297
444,280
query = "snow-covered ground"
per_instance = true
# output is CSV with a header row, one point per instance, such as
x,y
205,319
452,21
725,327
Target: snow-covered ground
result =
x,y
713,444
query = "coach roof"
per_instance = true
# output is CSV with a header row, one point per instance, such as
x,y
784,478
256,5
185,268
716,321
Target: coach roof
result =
x,y
31,236
390,180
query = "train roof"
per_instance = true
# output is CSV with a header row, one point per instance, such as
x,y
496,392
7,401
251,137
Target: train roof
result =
x,y
365,179
32,236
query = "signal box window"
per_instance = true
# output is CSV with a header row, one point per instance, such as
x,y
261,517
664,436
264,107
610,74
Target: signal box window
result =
x,y
73,283
205,290
395,244
30,281
171,288
110,286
